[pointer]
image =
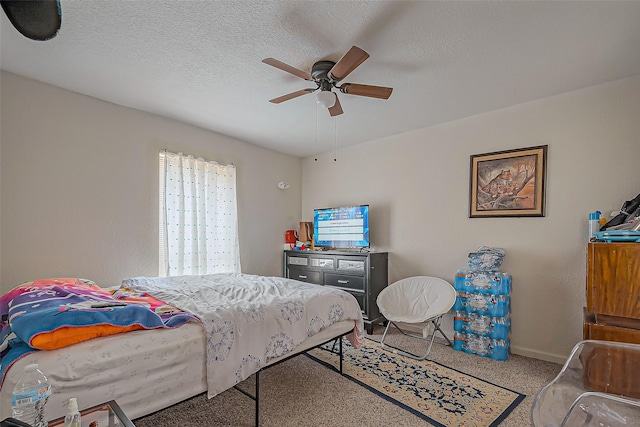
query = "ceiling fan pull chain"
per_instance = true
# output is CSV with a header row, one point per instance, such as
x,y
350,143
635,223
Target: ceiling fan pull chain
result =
x,y
335,139
317,112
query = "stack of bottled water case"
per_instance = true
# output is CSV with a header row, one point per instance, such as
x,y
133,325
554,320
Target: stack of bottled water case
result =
x,y
482,321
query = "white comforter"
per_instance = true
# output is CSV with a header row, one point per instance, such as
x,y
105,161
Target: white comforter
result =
x,y
249,319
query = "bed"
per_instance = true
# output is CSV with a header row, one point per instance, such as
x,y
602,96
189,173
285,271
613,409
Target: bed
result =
x,y
228,327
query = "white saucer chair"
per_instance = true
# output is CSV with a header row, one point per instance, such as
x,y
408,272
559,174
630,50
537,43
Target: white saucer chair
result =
x,y
415,306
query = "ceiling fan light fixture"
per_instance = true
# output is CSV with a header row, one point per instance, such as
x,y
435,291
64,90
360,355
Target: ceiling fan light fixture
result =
x,y
326,98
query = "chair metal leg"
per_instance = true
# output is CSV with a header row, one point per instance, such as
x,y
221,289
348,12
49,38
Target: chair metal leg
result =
x,y
385,334
436,323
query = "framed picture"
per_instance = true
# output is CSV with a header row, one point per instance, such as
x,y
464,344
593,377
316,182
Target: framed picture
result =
x,y
508,183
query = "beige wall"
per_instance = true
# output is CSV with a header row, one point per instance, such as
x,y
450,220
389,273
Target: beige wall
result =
x,y
418,185
79,190
79,180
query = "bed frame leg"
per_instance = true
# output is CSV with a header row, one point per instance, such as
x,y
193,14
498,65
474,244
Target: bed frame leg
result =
x,y
340,354
258,399
256,396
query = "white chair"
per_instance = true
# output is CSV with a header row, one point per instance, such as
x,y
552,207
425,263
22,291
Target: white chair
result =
x,y
598,385
416,304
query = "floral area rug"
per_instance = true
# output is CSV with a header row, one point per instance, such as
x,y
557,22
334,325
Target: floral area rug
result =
x,y
434,392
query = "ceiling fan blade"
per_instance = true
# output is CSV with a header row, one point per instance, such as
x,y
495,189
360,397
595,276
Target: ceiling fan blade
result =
x,y
288,68
336,110
35,19
291,95
366,90
349,62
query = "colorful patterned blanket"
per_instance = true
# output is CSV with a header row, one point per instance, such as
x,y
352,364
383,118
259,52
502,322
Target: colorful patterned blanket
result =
x,y
55,313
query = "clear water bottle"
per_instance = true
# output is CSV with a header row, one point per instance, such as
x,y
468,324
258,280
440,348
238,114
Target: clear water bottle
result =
x,y
594,224
30,396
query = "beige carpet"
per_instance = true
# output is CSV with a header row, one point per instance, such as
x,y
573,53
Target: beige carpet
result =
x,y
302,392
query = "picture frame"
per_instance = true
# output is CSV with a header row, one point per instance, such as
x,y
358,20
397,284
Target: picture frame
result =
x,y
508,183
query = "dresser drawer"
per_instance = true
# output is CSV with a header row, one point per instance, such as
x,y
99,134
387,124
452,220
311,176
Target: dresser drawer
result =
x,y
361,297
305,276
351,265
594,331
344,281
613,279
298,260
611,370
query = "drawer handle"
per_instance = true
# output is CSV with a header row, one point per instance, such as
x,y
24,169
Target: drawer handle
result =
x,y
300,276
343,282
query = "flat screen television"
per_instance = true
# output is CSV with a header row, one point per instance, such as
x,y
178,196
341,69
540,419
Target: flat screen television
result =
x,y
345,227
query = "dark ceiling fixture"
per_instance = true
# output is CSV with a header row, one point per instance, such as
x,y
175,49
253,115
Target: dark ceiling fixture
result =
x,y
326,75
35,19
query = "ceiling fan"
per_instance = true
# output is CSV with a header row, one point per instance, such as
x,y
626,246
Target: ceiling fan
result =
x,y
326,75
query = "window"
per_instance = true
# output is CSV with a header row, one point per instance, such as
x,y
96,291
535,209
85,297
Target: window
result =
x,y
198,216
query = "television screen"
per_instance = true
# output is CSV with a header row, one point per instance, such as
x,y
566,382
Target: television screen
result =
x,y
341,227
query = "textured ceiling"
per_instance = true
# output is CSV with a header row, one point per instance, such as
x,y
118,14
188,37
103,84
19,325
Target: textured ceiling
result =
x,y
200,61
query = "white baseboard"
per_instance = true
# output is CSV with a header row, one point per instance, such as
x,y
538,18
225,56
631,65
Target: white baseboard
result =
x,y
555,358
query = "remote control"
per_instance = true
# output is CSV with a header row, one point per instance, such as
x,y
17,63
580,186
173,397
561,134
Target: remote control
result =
x,y
107,304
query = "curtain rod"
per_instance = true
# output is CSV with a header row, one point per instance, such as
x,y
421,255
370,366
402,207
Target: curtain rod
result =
x,y
165,151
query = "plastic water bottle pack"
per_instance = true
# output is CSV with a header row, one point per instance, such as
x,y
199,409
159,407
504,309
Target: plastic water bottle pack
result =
x,y
30,396
482,321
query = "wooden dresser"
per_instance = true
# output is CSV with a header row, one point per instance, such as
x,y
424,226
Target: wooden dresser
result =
x,y
613,292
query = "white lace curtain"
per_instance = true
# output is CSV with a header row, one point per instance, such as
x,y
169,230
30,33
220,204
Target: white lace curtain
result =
x,y
198,216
